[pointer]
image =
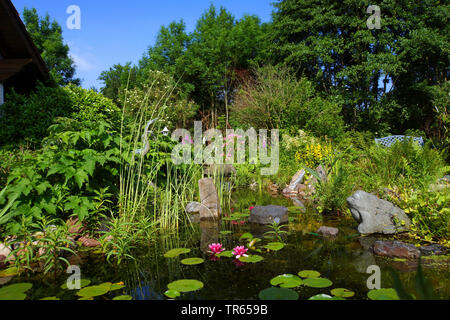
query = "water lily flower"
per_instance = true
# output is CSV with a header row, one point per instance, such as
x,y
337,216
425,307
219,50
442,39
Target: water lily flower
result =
x,y
216,248
240,251
251,208
238,263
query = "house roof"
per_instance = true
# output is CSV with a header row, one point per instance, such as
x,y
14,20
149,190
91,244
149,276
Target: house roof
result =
x,y
20,57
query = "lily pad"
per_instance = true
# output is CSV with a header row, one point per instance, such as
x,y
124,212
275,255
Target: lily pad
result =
x,y
286,281
309,274
343,293
117,286
274,293
274,246
192,261
172,294
227,254
317,282
176,252
124,297
95,291
383,294
86,298
226,232
185,285
251,259
15,291
83,283
245,236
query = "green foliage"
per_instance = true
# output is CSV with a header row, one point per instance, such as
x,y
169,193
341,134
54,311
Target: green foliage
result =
x,y
26,118
61,179
47,37
275,99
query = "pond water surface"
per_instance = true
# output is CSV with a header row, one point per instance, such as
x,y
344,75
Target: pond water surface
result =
x,y
344,261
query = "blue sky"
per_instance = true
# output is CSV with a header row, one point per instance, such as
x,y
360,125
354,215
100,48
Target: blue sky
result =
x,y
120,31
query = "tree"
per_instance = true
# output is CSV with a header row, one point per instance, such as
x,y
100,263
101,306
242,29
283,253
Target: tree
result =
x,y
47,36
117,79
383,76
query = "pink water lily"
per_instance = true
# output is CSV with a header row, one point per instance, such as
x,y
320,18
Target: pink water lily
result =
x,y
216,248
251,208
240,252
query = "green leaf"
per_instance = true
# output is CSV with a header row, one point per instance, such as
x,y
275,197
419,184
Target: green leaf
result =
x,y
15,291
185,285
274,246
123,297
83,283
95,291
172,294
383,294
251,259
343,293
227,254
309,274
317,282
286,281
192,261
176,252
247,235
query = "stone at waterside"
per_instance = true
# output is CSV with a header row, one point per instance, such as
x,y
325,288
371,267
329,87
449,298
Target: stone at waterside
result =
x,y
396,249
297,179
376,215
434,250
210,204
328,231
269,214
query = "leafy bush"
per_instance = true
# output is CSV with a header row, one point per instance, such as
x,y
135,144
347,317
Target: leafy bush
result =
x,y
26,118
61,179
276,99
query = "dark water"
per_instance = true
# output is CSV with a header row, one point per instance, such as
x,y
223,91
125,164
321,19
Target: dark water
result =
x,y
344,261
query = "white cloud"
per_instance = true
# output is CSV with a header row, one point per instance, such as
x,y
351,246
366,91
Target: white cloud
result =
x,y
81,63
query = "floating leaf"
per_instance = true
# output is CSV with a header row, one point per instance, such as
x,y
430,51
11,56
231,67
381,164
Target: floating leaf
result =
x,y
176,252
86,298
309,274
172,294
117,286
274,246
83,283
317,282
226,232
124,297
251,259
15,291
95,291
192,261
286,281
227,254
278,294
185,285
247,235
343,293
383,294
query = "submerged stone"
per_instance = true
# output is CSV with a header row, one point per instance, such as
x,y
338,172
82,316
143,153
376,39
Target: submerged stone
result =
x,y
269,215
396,249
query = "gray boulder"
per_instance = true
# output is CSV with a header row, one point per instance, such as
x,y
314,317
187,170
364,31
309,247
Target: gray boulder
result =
x,y
376,215
269,215
193,207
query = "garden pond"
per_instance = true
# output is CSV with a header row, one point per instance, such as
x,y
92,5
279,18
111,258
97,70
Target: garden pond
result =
x,y
342,262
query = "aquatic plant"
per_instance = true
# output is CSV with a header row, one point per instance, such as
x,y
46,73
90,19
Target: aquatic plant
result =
x,y
216,248
240,251
276,231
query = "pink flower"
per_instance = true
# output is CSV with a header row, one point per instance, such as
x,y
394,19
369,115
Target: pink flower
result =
x,y
251,208
240,252
238,263
216,248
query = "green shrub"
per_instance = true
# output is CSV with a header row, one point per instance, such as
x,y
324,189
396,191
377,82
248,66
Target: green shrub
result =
x,y
62,178
276,99
28,117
